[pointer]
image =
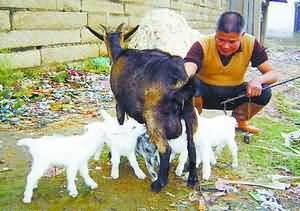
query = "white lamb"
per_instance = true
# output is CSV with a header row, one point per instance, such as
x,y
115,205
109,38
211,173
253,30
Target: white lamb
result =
x,y
121,140
212,132
73,152
204,153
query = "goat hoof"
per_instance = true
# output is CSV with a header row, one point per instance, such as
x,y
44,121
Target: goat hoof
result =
x,y
156,186
73,194
26,200
192,181
93,185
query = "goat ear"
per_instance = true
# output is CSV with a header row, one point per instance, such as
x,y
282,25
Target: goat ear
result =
x,y
131,32
100,36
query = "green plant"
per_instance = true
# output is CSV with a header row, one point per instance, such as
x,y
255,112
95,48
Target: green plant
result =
x,y
5,50
9,77
97,65
60,76
285,106
32,73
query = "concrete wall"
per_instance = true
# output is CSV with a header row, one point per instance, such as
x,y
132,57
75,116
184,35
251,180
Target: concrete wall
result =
x,y
42,32
281,19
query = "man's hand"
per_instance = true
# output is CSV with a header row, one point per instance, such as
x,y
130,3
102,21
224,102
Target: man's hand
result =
x,y
254,88
190,68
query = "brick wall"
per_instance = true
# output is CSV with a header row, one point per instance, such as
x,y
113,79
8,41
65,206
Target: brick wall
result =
x,y
42,32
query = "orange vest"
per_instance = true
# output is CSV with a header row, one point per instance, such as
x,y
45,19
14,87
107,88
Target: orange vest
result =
x,y
213,72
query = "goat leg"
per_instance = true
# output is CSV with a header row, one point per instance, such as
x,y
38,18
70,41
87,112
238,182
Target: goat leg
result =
x,y
163,170
120,114
191,123
193,178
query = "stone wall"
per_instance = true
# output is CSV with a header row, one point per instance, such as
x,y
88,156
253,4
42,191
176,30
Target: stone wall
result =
x,y
42,32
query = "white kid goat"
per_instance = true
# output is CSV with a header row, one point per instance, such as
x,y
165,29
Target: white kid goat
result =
x,y
211,132
72,152
121,140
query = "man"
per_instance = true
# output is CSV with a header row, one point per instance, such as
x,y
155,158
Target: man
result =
x,y
219,63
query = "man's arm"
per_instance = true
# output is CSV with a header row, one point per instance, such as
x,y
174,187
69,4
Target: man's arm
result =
x,y
193,59
268,77
259,59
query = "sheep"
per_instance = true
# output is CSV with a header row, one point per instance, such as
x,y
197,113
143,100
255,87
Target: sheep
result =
x,y
212,132
114,133
152,87
72,152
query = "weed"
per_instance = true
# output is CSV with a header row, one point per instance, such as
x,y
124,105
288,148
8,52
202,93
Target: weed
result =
x,y
5,50
8,77
285,106
60,77
97,65
33,73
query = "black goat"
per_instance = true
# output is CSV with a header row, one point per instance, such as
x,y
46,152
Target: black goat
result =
x,y
152,87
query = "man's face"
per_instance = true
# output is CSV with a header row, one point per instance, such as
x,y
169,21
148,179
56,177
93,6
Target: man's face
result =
x,y
228,43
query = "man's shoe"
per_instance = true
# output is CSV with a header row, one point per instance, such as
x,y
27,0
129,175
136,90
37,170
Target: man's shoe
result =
x,y
243,126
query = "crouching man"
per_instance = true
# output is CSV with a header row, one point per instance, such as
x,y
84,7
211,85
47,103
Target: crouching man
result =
x,y
219,63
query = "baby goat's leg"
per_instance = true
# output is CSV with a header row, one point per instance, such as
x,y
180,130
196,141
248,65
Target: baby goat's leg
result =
x,y
71,175
115,161
172,156
84,172
98,153
206,169
219,150
36,172
181,162
234,151
134,164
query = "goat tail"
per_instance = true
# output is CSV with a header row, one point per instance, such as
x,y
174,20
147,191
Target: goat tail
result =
x,y
25,142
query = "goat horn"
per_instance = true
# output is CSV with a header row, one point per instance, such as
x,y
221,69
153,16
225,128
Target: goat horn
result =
x,y
100,36
119,28
131,32
104,28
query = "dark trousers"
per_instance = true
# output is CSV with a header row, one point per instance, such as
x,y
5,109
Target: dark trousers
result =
x,y
213,95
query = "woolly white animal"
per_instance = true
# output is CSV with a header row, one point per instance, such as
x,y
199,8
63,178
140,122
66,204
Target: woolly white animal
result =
x,y
204,153
73,152
216,132
212,132
121,140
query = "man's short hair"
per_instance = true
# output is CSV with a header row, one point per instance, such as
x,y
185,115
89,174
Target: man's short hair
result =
x,y
231,22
